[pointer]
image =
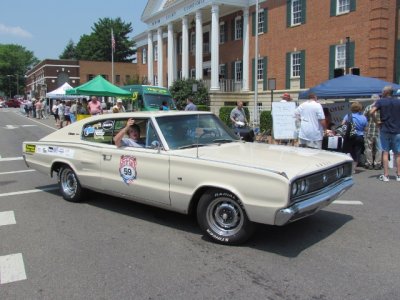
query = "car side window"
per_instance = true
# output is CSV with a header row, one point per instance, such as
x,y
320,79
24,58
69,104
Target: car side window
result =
x,y
142,123
99,131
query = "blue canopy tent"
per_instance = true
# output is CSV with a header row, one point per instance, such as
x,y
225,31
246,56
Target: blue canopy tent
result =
x,y
348,86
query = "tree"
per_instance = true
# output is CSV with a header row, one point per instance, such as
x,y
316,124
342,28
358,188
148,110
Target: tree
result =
x,y
15,61
182,89
69,51
97,45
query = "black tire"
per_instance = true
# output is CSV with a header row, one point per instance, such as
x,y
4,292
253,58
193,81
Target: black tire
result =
x,y
221,216
70,187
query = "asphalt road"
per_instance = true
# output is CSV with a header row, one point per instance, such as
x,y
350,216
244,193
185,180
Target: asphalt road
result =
x,y
110,248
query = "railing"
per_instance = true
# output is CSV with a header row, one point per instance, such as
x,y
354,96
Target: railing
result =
x,y
226,85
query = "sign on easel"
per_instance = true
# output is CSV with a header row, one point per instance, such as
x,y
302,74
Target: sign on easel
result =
x,y
283,120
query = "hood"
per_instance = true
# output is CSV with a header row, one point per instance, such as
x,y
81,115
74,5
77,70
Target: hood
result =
x,y
293,161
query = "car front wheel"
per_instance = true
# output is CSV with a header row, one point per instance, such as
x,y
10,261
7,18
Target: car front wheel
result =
x,y
221,216
70,187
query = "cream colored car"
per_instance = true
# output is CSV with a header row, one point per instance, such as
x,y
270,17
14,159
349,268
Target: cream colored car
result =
x,y
190,162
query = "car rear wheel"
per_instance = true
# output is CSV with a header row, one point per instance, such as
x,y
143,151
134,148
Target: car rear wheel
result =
x,y
70,187
221,216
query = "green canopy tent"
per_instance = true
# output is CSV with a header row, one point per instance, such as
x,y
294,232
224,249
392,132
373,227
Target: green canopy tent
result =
x,y
98,86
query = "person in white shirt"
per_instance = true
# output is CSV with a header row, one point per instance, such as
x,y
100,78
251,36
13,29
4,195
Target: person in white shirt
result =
x,y
312,123
132,130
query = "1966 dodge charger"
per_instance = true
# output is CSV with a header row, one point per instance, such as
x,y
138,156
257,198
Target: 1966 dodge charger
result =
x,y
192,162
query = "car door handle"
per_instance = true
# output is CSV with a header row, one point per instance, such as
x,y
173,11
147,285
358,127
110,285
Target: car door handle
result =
x,y
107,157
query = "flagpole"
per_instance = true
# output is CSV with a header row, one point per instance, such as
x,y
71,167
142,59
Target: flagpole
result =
x,y
112,55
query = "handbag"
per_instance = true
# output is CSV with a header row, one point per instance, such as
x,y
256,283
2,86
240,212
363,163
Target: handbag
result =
x,y
348,129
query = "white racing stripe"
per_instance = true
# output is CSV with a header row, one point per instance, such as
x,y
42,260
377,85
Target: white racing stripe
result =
x,y
12,268
348,202
29,191
21,171
10,158
7,218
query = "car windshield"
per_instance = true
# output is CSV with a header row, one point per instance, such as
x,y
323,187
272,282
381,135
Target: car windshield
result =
x,y
194,130
155,101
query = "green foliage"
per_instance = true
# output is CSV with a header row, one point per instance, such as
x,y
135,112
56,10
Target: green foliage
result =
x,y
97,45
182,89
203,107
69,51
225,114
15,61
266,121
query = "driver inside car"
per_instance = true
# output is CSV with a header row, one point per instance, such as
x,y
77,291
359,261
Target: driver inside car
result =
x,y
132,130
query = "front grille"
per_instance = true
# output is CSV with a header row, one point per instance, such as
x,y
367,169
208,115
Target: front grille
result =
x,y
323,179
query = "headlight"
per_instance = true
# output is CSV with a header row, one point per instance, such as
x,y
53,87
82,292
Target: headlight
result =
x,y
303,186
294,188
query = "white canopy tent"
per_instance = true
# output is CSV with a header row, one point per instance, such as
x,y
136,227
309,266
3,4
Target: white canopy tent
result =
x,y
60,92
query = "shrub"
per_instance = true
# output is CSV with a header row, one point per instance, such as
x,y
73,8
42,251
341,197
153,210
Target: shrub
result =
x,y
266,121
225,113
182,89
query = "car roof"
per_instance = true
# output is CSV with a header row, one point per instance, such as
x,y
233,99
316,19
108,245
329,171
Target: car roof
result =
x,y
148,114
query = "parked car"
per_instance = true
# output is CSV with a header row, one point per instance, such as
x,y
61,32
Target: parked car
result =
x,y
13,103
191,162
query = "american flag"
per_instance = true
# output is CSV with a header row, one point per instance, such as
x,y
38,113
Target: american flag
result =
x,y
112,41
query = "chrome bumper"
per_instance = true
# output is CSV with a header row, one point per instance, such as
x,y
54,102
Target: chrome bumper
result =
x,y
311,206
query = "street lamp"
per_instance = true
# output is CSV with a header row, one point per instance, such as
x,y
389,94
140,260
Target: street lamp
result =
x,y
9,84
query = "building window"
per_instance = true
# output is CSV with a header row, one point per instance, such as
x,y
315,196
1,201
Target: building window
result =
x,y
260,69
296,12
238,71
343,6
295,64
193,42
340,56
144,56
238,28
222,71
192,73
180,45
117,78
261,23
222,33
90,77
127,78
155,52
155,80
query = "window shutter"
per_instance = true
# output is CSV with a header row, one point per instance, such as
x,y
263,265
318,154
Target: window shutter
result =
x,y
233,30
241,23
233,70
303,11
397,62
265,20
253,66
333,8
302,69
352,5
289,13
332,53
265,73
226,32
253,21
351,54
288,56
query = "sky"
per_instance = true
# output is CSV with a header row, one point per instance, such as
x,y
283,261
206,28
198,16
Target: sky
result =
x,y
46,26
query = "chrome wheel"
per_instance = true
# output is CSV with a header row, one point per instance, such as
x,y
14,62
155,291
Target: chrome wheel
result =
x,y
225,217
70,187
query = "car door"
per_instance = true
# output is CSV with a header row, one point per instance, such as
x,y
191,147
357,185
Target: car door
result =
x,y
137,173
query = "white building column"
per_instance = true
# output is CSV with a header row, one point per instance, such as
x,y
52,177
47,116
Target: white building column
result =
x,y
185,48
214,48
246,52
150,58
175,69
199,46
171,56
160,56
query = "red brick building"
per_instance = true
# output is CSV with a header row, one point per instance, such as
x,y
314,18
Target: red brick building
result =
x,y
300,44
50,74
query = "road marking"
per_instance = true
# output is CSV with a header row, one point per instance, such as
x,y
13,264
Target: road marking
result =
x,y
11,158
7,218
13,172
28,125
11,127
12,268
348,202
29,191
32,120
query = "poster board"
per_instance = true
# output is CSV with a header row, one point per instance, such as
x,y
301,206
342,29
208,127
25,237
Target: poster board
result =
x,y
283,120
